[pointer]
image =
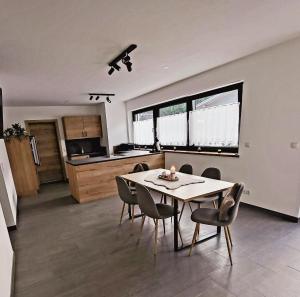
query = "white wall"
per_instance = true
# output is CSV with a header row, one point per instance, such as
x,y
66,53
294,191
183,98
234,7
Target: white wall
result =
x,y
270,168
6,259
15,114
8,194
116,119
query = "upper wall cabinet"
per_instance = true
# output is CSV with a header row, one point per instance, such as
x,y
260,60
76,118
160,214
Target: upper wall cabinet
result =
x,y
76,127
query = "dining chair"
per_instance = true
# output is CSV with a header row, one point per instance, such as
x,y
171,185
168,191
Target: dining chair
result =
x,y
156,211
137,168
145,166
222,217
126,196
213,173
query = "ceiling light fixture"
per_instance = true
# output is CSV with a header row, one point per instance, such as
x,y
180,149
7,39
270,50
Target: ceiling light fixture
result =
x,y
124,57
98,95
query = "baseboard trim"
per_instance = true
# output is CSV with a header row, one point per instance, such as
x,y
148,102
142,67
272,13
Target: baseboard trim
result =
x,y
272,212
13,273
12,228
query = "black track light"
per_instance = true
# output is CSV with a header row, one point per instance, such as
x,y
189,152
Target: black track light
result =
x,y
124,57
91,98
129,66
111,71
97,98
108,100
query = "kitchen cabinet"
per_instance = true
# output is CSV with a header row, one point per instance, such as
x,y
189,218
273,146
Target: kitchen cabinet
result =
x,y
22,166
76,127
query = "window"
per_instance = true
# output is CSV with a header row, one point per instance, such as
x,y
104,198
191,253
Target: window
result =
x,y
208,121
143,128
172,125
214,120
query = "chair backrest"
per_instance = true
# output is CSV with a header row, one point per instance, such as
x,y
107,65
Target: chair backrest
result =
x,y
212,172
145,166
138,168
236,193
186,168
146,202
124,191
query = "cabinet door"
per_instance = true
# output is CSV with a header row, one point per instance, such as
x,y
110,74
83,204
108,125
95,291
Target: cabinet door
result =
x,y
92,126
73,127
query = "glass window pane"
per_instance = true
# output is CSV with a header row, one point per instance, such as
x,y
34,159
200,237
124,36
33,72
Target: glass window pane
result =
x,y
214,120
143,128
172,125
173,109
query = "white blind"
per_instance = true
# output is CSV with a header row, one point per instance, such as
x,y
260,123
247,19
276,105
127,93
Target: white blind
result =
x,y
143,132
172,129
215,126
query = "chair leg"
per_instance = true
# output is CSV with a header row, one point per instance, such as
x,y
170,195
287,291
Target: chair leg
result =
x,y
155,237
229,235
228,246
143,221
161,198
132,214
164,224
194,238
181,212
214,203
122,213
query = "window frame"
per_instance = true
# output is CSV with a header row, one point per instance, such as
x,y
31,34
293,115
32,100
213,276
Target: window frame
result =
x,y
188,100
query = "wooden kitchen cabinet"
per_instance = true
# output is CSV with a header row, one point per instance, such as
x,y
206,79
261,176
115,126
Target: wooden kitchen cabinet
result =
x,y
22,166
76,127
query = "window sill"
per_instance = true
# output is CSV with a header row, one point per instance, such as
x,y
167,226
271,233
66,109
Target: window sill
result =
x,y
232,155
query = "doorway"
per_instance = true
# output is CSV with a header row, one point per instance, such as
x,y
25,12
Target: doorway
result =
x,y
46,133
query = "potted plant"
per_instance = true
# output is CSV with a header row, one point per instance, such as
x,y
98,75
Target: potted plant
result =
x,y
15,131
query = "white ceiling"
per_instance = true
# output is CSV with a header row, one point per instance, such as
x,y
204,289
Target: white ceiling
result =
x,y
54,52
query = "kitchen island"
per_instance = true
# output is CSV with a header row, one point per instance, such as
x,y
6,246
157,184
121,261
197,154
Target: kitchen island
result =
x,y
94,178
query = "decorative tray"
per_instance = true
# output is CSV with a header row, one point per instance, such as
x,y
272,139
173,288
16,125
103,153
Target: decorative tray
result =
x,y
167,178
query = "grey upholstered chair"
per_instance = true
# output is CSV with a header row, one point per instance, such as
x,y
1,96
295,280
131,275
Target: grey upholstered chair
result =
x,y
137,168
186,168
213,173
126,196
214,217
155,211
210,172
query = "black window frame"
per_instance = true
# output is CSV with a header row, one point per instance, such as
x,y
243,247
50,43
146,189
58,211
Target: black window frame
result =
x,y
188,100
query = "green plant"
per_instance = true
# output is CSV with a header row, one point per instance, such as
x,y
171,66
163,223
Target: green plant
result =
x,y
16,130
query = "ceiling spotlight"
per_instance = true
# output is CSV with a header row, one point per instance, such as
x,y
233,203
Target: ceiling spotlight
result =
x,y
91,98
111,71
129,66
124,57
97,98
117,67
108,100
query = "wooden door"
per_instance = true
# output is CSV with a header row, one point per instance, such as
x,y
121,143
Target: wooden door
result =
x,y
73,127
92,126
45,133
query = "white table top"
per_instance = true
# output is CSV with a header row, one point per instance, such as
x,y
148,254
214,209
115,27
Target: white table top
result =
x,y
184,193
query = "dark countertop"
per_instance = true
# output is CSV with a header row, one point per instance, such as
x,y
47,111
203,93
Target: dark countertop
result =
x,y
129,154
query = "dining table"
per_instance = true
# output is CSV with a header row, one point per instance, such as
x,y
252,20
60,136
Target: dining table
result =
x,y
200,187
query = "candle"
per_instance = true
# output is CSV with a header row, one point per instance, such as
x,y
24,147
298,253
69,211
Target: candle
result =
x,y
172,169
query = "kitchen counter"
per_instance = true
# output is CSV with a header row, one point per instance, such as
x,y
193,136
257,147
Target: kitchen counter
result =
x,y
94,178
129,154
